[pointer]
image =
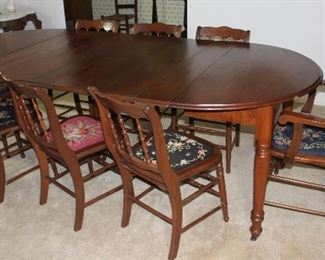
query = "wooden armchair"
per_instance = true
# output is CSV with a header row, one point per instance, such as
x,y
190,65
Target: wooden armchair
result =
x,y
71,143
157,29
222,33
165,160
126,13
298,138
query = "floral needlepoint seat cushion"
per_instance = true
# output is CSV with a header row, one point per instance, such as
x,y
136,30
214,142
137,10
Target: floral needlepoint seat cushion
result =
x,y
81,132
182,150
313,140
7,113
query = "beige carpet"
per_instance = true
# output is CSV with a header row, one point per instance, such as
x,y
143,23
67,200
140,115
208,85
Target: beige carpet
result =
x,y
30,231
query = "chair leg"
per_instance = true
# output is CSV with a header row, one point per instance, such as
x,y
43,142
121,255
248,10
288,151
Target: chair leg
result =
x,y
222,192
79,194
173,123
177,218
19,143
228,146
275,165
191,125
127,26
5,145
128,192
2,180
237,135
44,172
77,103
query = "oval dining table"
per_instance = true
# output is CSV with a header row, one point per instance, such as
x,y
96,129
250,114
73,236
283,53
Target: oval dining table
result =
x,y
243,81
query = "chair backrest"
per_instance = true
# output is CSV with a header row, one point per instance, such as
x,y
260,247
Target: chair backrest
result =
x,y
131,7
97,25
222,33
49,139
157,29
131,150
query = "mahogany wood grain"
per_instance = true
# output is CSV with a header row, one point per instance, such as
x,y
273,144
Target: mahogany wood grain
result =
x,y
203,75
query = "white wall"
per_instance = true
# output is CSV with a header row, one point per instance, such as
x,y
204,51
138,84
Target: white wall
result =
x,y
50,12
298,25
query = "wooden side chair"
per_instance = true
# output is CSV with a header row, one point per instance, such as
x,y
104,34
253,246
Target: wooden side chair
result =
x,y
83,25
71,144
297,138
165,160
9,127
157,29
222,33
126,13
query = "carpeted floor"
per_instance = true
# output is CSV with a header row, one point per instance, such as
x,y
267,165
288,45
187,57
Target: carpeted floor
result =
x,y
30,231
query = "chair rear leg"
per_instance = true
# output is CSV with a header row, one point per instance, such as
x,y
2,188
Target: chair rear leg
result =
x,y
5,145
79,194
19,143
191,125
44,172
237,135
2,180
173,119
275,165
222,192
77,103
228,146
128,192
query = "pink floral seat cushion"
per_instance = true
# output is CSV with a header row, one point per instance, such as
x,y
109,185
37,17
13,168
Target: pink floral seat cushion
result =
x,y
81,132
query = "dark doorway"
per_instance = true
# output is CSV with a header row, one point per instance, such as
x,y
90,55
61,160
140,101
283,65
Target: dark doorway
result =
x,y
77,9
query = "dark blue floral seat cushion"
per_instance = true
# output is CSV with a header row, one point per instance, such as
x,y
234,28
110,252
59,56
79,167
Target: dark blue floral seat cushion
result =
x,y
7,113
313,140
4,90
182,150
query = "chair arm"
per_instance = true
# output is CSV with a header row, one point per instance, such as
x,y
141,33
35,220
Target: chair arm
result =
x,y
299,118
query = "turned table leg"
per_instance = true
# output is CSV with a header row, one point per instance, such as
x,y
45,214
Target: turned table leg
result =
x,y
263,135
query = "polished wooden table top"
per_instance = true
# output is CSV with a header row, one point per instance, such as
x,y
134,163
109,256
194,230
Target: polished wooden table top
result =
x,y
171,72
